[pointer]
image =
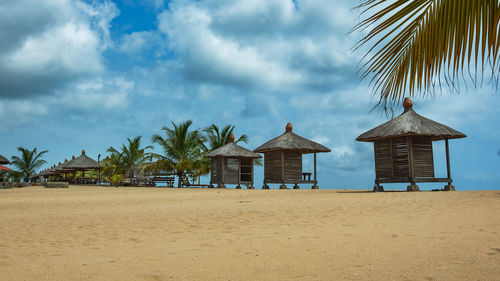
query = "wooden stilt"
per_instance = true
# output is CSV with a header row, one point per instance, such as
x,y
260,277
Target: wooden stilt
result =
x,y
315,186
221,184
449,186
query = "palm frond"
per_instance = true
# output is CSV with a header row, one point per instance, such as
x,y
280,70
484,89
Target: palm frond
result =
x,y
415,44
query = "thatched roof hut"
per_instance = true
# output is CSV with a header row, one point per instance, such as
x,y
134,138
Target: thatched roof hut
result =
x,y
3,160
82,163
283,159
403,149
231,164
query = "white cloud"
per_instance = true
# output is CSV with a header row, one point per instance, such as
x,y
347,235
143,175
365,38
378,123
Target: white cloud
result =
x,y
65,42
137,42
259,45
96,95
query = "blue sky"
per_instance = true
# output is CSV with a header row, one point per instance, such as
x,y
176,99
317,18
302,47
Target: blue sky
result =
x,y
88,74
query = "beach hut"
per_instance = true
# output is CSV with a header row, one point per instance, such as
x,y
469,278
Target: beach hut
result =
x,y
81,163
403,149
283,159
3,160
231,164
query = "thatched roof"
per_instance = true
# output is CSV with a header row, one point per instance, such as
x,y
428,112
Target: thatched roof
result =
x,y
62,167
47,172
231,149
82,162
410,123
290,141
4,160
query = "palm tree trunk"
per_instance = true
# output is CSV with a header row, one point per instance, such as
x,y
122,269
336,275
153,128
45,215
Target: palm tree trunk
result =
x,y
179,182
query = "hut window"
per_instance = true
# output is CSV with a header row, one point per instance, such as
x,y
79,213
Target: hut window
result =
x,y
246,170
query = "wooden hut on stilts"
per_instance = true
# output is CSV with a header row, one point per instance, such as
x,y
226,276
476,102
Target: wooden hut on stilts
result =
x,y
403,149
231,164
283,159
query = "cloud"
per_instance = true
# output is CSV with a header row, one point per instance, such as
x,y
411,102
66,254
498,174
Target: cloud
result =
x,y
56,42
93,96
260,45
137,43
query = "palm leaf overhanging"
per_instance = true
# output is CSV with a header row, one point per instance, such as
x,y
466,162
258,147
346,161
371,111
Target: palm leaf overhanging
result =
x,y
417,43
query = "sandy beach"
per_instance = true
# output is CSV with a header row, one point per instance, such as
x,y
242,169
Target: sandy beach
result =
x,y
103,233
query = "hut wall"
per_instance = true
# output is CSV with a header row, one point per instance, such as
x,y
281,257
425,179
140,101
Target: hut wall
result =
x,y
383,158
293,165
231,170
215,167
392,157
272,166
423,161
400,157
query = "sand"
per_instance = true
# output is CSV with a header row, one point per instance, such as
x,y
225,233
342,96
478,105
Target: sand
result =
x,y
103,233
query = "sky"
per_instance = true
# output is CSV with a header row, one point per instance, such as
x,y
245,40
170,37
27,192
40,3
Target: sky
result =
x,y
89,74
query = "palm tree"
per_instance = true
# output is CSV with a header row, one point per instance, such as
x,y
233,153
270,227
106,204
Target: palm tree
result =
x,y
29,162
131,157
218,138
418,43
183,149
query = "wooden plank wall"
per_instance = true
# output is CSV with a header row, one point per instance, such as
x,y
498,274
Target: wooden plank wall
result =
x,y
215,167
272,165
231,170
400,157
423,160
293,165
383,158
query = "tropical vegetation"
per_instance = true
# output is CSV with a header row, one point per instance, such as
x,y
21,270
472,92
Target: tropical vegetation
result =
x,y
183,150
131,159
182,154
27,164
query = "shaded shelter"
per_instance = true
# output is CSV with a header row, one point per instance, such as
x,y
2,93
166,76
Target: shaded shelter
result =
x,y
45,173
283,159
403,149
61,168
81,163
231,164
4,160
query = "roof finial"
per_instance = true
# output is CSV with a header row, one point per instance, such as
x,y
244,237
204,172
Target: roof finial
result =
x,y
73,157
231,137
289,127
407,104
83,151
